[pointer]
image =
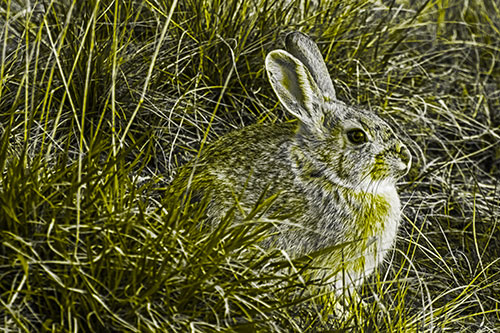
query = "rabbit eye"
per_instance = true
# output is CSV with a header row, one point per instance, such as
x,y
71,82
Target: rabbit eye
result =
x,y
357,136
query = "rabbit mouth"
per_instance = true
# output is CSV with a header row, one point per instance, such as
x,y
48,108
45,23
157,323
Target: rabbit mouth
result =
x,y
402,168
394,168
403,162
394,163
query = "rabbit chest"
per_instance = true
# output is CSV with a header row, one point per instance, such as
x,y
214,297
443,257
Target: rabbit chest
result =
x,y
365,221
373,217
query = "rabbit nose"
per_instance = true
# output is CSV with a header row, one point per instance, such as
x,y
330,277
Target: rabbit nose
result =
x,y
404,155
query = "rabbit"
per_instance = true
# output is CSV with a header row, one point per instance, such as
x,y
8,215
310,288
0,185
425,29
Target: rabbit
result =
x,y
333,171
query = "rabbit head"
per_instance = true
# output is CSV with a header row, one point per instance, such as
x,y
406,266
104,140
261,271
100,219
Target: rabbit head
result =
x,y
350,147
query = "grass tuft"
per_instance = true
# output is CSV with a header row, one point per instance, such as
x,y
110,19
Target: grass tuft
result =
x,y
101,101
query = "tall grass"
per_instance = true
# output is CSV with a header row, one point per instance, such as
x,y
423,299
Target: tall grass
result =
x,y
102,101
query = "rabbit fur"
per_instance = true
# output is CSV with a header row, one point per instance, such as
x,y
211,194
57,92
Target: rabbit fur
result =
x,y
334,171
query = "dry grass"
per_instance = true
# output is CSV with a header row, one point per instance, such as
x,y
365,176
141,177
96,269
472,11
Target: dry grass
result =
x,y
101,101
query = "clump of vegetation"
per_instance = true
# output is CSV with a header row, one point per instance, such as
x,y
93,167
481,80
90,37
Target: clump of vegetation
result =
x,y
102,101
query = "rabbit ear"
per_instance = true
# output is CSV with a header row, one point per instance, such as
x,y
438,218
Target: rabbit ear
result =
x,y
294,86
304,49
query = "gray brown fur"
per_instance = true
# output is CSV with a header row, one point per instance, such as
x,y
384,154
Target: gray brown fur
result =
x,y
330,190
